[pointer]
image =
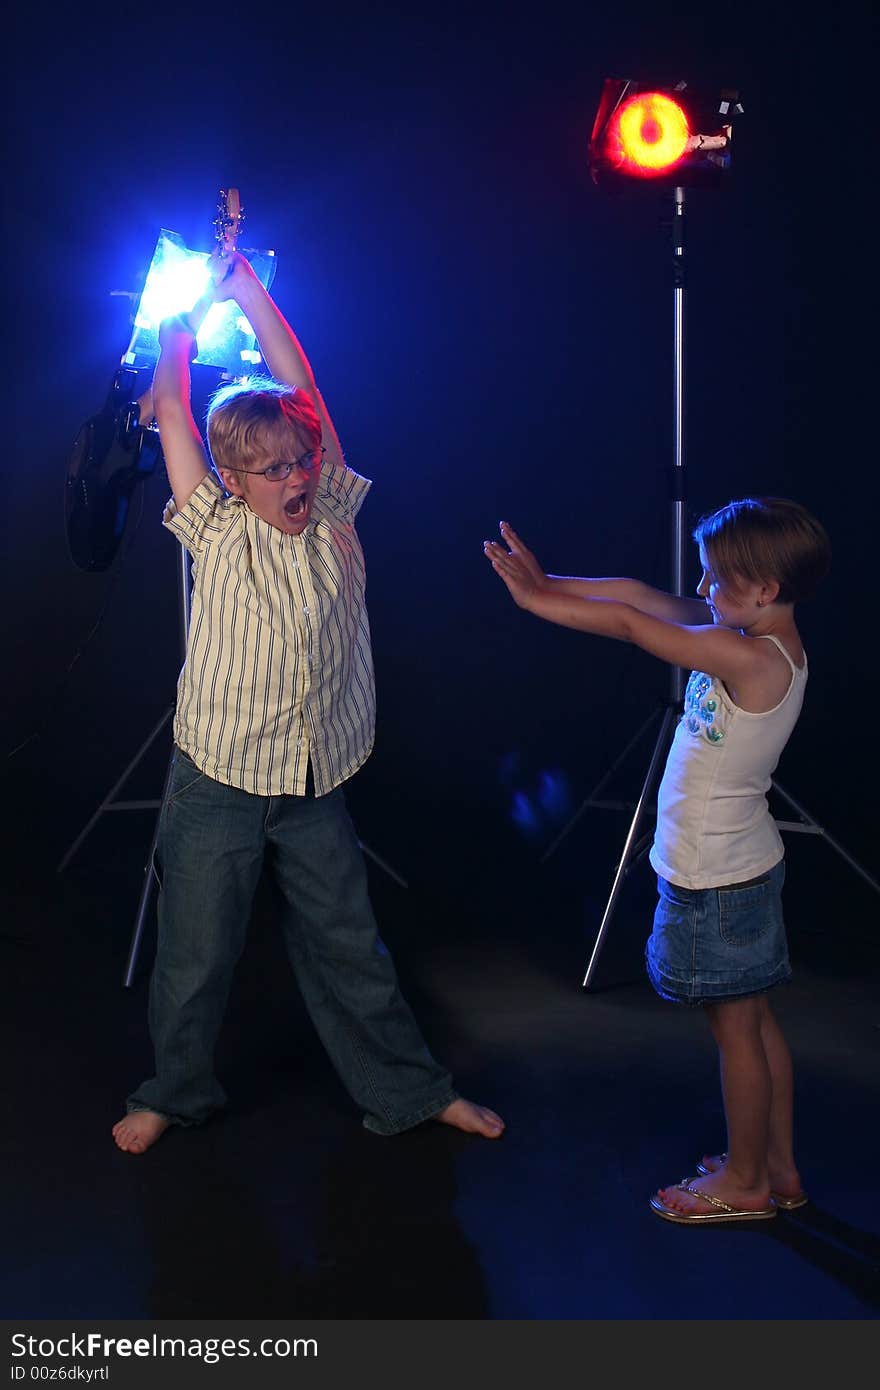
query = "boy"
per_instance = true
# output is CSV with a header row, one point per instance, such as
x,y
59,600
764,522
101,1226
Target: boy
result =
x,y
275,711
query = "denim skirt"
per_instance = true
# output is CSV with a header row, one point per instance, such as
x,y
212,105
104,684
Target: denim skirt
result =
x,y
710,944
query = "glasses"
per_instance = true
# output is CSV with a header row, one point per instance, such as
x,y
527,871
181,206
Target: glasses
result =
x,y
277,472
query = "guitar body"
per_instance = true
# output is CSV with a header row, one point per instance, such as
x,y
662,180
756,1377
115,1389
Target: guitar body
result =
x,y
113,451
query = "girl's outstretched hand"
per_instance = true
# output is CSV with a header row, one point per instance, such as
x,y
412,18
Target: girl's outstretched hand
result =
x,y
516,566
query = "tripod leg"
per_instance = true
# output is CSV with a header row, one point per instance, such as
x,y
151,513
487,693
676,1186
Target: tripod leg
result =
x,y
107,803
382,865
641,849
812,826
572,822
659,749
146,890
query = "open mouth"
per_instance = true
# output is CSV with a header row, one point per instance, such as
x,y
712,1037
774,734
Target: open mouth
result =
x,y
296,507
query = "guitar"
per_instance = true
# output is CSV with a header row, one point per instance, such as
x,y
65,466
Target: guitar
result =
x,y
117,448
227,229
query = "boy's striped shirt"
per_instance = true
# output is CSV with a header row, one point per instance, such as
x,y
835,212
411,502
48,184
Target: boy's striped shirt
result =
x,y
279,668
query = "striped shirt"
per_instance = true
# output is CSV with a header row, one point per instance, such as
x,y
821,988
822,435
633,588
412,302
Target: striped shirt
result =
x,y
279,669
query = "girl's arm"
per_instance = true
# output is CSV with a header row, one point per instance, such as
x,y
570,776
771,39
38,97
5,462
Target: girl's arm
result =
x,y
718,651
689,611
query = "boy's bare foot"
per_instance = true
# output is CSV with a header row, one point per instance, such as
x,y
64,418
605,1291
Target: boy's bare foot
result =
x,y
139,1130
784,1182
473,1119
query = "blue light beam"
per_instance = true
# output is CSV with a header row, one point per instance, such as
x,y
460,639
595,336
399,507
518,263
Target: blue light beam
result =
x,y
176,279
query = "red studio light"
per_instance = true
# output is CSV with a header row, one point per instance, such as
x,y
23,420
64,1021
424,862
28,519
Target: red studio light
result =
x,y
662,134
650,133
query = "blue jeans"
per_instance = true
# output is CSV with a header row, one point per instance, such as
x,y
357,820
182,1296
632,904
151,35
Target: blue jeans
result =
x,y
211,846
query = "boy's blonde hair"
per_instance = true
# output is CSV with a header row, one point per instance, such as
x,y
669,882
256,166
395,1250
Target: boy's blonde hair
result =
x,y
259,421
766,538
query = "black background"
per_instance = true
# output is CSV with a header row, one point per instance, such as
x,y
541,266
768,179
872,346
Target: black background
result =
x,y
493,336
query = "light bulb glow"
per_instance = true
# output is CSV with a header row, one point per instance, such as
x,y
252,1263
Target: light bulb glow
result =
x,y
176,279
649,133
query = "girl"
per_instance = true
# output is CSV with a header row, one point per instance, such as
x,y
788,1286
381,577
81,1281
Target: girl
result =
x,y
718,939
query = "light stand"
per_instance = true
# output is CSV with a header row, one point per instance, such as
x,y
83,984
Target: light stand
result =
x,y
183,599
609,153
110,803
672,706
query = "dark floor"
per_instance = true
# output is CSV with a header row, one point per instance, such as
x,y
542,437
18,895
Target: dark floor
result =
x,y
286,1207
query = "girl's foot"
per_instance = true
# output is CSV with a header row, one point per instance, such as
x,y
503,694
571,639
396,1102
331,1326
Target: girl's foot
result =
x,y
785,1183
689,1203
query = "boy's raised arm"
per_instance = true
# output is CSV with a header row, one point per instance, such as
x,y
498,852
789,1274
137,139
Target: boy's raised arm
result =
x,y
185,458
279,344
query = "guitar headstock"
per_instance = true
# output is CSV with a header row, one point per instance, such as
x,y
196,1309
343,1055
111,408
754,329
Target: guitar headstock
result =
x,y
228,222
227,226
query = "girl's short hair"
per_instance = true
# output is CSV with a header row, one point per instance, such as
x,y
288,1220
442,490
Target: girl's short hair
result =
x,y
763,538
250,422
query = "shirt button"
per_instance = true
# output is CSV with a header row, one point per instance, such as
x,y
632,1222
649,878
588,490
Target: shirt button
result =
x,y
306,612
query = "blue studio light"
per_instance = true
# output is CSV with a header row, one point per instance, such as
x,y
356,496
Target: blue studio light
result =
x,y
175,280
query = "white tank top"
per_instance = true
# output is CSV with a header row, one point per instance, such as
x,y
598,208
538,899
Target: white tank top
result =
x,y
714,826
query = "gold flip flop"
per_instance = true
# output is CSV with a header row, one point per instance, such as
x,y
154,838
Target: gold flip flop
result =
x,y
784,1203
722,1211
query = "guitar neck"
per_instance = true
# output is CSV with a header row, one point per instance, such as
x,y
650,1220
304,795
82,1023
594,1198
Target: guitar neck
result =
x,y
227,228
